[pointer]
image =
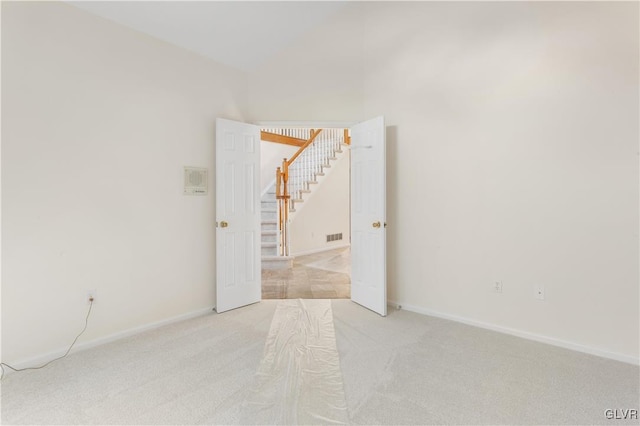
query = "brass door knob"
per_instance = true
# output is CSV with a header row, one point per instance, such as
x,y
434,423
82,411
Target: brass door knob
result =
x,y
223,224
376,224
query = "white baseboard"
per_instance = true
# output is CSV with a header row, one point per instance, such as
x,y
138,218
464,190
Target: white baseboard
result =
x,y
80,346
519,333
320,250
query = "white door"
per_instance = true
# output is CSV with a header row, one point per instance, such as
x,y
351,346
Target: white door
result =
x,y
368,216
238,281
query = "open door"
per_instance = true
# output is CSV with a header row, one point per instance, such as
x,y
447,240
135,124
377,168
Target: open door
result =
x,y
238,280
368,216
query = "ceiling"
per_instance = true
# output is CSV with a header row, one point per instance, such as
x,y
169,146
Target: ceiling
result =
x,y
236,33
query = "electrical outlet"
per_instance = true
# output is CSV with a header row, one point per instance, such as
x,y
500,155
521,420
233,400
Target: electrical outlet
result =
x,y
497,287
91,294
538,291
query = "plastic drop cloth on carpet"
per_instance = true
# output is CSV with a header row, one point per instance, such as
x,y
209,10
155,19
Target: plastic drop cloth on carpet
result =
x,y
299,380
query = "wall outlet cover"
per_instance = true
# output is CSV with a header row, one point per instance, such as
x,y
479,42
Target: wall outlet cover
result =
x,y
538,291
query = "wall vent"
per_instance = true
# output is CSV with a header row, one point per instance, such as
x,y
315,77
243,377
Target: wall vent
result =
x,y
334,237
195,181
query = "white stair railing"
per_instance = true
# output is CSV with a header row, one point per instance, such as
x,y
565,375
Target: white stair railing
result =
x,y
297,175
310,163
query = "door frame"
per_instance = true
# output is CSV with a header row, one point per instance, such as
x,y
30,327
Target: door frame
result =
x,y
313,125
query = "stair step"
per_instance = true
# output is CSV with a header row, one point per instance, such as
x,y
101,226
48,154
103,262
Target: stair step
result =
x,y
269,249
277,262
269,236
267,225
268,215
298,200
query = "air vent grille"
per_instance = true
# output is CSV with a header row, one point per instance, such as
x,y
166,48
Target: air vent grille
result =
x,y
334,237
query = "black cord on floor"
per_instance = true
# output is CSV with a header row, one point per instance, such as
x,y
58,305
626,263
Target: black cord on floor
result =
x,y
86,323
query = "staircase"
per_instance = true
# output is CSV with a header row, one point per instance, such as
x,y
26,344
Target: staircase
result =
x,y
301,174
312,163
269,228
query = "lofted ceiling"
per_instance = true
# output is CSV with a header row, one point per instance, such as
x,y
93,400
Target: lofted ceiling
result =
x,y
236,33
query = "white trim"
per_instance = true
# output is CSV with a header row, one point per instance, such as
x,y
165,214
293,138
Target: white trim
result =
x,y
307,124
264,191
519,333
41,359
320,250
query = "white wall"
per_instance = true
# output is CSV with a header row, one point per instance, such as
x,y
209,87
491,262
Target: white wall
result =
x,y
519,121
97,124
324,212
513,140
319,79
271,155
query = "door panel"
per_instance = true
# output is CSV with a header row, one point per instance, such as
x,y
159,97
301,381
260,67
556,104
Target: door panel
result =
x,y
238,280
368,215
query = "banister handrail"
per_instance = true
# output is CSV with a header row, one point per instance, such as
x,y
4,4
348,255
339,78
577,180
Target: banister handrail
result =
x,y
281,139
282,207
303,173
278,182
314,134
346,137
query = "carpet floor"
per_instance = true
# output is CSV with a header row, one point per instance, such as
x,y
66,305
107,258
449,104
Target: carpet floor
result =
x,y
403,369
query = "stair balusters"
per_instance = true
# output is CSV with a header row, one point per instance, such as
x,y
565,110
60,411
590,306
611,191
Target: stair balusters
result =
x,y
296,174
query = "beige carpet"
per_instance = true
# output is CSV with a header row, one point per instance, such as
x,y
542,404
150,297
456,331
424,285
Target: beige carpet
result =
x,y
402,369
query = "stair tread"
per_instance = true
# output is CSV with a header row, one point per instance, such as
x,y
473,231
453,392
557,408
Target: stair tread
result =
x,y
278,257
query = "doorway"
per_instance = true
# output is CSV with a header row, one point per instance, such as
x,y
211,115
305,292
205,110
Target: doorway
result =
x,y
316,263
238,237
